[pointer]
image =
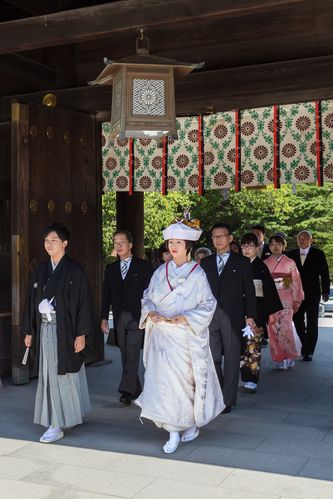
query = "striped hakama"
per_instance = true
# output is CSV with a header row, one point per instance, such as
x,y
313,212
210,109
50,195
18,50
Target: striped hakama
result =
x,y
61,400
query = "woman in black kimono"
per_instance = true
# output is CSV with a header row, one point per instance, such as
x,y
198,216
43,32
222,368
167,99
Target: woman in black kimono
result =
x,y
57,320
268,302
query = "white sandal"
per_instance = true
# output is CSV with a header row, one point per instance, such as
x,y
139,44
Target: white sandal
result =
x,y
172,444
190,434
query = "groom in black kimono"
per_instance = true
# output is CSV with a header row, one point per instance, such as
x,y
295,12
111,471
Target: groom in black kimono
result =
x,y
230,278
124,283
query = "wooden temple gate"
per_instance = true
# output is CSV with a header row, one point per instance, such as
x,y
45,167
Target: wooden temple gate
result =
x,y
256,54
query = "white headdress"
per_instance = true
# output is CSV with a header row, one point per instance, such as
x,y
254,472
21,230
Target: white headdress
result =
x,y
179,230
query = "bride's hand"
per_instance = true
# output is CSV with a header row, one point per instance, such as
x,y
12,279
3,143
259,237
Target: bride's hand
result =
x,y
156,317
179,319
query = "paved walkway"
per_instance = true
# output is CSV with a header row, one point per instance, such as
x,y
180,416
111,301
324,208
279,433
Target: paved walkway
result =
x,y
277,443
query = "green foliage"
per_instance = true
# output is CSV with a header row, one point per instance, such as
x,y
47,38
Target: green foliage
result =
x,y
160,211
108,223
310,207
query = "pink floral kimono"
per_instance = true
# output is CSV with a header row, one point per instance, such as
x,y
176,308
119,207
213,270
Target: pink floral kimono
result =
x,y
282,341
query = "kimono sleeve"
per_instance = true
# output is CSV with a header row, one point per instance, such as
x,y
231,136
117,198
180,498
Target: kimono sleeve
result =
x,y
29,323
147,302
271,296
82,302
296,284
203,305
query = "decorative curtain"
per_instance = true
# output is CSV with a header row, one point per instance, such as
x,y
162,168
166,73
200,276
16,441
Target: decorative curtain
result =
x,y
253,147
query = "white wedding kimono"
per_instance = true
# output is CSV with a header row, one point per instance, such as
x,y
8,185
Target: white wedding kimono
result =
x,y
181,387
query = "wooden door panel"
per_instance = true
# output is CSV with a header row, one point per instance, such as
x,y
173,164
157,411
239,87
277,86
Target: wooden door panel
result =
x,y
64,185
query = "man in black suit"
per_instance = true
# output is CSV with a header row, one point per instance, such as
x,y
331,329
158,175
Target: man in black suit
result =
x,y
263,248
231,280
312,265
124,283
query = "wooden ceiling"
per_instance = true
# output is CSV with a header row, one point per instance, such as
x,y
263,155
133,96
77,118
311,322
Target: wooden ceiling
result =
x,y
256,52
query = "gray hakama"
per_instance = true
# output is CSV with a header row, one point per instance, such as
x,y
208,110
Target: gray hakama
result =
x,y
61,400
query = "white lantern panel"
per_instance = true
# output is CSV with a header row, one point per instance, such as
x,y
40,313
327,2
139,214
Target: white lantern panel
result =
x,y
148,97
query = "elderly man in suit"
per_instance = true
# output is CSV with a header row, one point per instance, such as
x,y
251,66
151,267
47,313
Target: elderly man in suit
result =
x,y
124,283
231,280
312,265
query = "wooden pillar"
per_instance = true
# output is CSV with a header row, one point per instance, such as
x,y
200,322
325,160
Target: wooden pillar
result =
x,y
20,234
130,216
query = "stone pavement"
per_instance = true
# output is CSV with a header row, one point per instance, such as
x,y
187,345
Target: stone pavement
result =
x,y
277,443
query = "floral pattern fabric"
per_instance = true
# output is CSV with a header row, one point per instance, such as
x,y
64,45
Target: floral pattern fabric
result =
x,y
297,141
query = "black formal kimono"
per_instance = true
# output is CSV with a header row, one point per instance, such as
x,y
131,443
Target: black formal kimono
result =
x,y
268,302
69,286
124,296
315,281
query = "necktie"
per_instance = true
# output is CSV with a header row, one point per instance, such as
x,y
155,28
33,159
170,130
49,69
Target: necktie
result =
x,y
123,268
220,265
303,257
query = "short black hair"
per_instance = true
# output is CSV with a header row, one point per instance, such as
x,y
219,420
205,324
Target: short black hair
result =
x,y
250,238
278,238
260,227
162,249
61,230
126,233
222,225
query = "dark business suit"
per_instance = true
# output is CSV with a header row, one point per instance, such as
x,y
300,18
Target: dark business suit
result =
x,y
235,295
266,252
124,295
315,281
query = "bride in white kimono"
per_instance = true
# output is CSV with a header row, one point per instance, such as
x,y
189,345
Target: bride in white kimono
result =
x,y
181,390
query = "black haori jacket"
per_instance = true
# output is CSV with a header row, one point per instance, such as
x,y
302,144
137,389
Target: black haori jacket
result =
x,y
270,302
69,286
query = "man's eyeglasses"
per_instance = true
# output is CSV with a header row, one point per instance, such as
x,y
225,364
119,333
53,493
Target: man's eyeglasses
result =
x,y
248,245
220,235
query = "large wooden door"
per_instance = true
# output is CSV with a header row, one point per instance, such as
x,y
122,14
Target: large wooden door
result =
x,y
56,176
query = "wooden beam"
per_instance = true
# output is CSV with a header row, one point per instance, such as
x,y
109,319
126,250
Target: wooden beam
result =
x,y
212,91
36,7
27,70
99,21
81,99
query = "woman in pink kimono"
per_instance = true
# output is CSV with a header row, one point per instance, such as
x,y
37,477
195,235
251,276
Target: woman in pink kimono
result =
x,y
181,390
283,341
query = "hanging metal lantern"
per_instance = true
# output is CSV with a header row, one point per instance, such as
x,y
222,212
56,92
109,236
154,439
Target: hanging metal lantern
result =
x,y
143,97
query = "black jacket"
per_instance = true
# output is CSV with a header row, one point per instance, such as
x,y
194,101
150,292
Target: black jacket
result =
x,y
69,285
125,294
270,302
314,273
234,288
266,252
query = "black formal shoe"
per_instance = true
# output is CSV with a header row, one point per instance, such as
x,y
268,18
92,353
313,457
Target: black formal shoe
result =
x,y
226,409
125,399
307,358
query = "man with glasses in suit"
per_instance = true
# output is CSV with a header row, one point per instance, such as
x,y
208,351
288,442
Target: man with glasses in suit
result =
x,y
230,278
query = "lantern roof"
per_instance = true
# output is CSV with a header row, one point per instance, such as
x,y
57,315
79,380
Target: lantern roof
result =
x,y
181,69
